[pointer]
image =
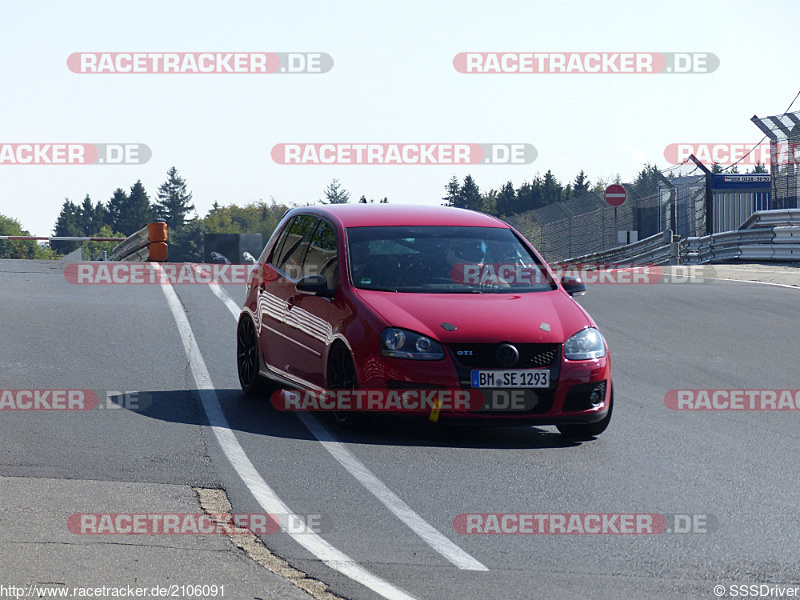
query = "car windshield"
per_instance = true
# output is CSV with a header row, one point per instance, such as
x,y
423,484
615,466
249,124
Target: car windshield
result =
x,y
437,259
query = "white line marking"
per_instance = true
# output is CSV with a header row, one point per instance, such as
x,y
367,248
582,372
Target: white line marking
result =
x,y
785,285
261,491
389,499
226,298
432,536
745,270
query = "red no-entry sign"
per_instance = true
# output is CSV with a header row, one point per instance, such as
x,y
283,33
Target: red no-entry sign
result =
x,y
615,195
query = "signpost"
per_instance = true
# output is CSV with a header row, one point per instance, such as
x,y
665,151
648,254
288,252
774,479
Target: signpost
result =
x,y
615,196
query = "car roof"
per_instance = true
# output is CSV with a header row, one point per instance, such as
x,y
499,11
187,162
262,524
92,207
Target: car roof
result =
x,y
373,215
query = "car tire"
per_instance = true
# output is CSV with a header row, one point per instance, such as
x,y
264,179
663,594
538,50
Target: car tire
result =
x,y
342,376
589,430
248,359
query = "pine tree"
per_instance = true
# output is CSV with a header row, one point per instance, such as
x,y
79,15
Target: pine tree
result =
x,y
567,193
67,225
488,203
137,211
470,194
453,188
86,216
174,201
551,189
581,185
100,217
646,182
507,199
116,207
529,195
91,217
334,194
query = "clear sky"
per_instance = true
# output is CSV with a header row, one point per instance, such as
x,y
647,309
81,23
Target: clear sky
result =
x,y
393,80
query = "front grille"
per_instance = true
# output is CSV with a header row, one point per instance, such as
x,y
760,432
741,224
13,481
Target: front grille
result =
x,y
483,356
578,396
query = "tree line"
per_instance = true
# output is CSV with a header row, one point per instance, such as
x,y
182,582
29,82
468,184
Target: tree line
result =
x,y
126,212
546,189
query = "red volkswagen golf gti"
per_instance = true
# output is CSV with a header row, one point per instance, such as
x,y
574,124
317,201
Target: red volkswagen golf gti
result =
x,y
392,297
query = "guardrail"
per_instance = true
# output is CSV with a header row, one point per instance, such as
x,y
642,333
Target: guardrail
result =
x,y
147,244
765,235
771,218
658,249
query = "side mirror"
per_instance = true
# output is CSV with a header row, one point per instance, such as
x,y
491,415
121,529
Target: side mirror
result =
x,y
574,286
314,285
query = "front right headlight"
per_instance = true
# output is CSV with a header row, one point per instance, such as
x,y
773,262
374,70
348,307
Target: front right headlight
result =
x,y
585,345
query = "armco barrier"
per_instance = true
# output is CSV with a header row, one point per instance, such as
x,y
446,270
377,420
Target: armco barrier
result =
x,y
147,244
766,235
772,218
658,249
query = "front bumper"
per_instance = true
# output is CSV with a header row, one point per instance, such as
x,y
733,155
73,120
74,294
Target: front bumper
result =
x,y
573,396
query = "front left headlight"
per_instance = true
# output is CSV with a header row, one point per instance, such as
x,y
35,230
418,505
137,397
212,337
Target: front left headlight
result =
x,y
585,345
402,343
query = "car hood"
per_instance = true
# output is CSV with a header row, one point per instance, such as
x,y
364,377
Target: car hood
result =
x,y
539,317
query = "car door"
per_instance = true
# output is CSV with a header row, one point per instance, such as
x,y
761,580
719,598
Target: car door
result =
x,y
308,320
276,287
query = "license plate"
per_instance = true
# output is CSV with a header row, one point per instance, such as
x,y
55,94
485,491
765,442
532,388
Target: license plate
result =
x,y
511,378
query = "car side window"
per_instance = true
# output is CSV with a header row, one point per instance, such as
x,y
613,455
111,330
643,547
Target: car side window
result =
x,y
322,257
277,250
295,245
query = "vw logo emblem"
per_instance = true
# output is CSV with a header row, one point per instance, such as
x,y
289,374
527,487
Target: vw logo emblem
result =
x,y
506,355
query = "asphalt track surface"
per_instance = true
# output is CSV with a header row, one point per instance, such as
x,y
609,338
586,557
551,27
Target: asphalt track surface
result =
x,y
391,514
